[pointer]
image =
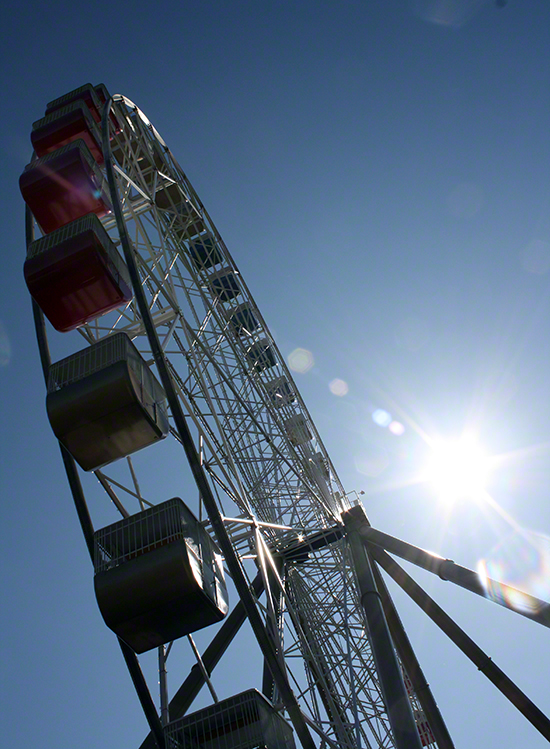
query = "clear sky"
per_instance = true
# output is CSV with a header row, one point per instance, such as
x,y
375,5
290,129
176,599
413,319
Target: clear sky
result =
x,y
380,172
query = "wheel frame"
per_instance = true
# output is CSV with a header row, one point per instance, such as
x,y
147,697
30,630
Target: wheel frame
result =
x,y
227,400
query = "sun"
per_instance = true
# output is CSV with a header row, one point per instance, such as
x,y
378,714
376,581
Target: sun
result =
x,y
457,469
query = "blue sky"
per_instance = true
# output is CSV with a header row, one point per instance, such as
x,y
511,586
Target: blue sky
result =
x,y
379,172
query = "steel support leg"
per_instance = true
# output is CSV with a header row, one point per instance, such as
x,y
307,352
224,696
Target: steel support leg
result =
x,y
395,696
446,569
483,662
412,666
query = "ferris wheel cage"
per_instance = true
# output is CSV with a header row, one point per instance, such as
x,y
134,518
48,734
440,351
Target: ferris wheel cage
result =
x,y
148,324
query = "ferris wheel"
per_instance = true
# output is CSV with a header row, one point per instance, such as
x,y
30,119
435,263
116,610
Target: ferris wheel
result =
x,y
168,346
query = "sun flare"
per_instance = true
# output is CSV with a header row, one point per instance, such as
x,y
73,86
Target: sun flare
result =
x,y
457,469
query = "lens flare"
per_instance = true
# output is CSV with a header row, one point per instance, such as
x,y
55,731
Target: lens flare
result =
x,y
519,563
339,387
397,428
381,417
451,13
301,360
373,463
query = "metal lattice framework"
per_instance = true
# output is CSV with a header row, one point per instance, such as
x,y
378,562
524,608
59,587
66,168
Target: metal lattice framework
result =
x,y
266,464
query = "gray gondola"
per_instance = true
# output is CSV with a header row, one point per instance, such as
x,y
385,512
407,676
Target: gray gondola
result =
x,y
158,576
246,721
297,430
260,355
104,403
243,321
280,392
224,285
204,252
